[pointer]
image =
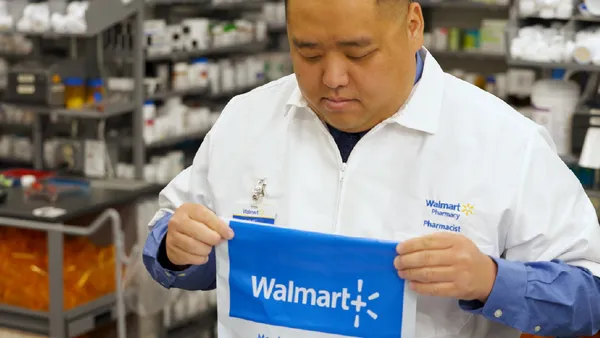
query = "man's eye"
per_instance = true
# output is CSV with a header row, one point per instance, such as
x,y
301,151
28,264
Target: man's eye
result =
x,y
312,58
356,58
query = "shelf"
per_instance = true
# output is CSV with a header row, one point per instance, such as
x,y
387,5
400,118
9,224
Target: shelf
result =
x,y
6,162
577,17
10,127
277,27
231,93
201,92
174,93
208,5
110,110
246,4
247,48
549,65
174,140
463,4
100,16
480,55
80,320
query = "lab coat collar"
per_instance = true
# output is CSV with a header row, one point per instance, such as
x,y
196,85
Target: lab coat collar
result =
x,y
422,109
296,99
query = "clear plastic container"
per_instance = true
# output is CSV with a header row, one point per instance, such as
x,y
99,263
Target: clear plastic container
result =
x,y
88,270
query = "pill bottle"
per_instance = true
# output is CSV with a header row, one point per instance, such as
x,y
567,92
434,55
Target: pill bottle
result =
x,y
74,92
95,91
149,113
198,73
180,76
454,39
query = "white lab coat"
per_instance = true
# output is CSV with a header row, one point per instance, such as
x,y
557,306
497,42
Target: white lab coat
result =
x,y
451,143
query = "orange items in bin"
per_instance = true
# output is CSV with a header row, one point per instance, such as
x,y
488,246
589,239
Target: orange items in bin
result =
x,y
88,270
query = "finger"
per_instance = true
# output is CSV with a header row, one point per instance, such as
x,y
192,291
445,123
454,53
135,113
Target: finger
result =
x,y
191,245
444,289
200,232
429,275
420,259
211,220
436,241
180,257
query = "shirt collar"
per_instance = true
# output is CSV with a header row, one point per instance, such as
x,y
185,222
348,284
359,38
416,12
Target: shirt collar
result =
x,y
421,110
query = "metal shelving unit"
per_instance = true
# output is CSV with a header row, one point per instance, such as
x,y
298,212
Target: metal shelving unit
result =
x,y
517,20
101,16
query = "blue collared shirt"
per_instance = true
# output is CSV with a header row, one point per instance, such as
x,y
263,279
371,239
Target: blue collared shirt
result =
x,y
545,298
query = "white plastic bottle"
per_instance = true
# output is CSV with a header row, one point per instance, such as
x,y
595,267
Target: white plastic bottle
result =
x,y
555,101
198,73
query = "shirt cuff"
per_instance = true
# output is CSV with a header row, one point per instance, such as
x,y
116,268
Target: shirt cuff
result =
x,y
165,276
163,259
507,299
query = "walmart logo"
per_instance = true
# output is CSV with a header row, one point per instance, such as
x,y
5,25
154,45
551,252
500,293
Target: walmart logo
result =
x,y
270,289
450,210
253,212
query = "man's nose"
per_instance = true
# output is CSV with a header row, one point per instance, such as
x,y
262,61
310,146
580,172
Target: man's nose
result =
x,y
335,74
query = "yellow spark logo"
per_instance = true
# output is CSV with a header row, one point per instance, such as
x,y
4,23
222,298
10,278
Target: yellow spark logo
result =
x,y
468,209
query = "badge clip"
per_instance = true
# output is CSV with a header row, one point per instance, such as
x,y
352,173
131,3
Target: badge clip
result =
x,y
259,192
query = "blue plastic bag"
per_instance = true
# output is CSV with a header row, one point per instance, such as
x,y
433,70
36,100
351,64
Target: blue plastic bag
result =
x,y
276,282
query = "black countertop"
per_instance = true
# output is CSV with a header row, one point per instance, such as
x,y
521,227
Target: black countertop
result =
x,y
98,198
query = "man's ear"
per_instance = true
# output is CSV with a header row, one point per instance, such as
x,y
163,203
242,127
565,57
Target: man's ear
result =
x,y
415,20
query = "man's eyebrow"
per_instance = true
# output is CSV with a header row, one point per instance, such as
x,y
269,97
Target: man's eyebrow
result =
x,y
304,44
359,42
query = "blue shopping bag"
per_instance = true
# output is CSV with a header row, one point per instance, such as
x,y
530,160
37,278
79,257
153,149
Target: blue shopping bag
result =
x,y
277,282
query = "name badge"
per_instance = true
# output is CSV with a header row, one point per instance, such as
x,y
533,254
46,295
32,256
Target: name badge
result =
x,y
261,213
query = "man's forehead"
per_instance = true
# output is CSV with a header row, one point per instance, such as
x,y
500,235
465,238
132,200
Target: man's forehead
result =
x,y
373,9
377,2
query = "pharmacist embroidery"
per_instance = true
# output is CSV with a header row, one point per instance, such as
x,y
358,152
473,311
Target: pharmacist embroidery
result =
x,y
450,210
291,279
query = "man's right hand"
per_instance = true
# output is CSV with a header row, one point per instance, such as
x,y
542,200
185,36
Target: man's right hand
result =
x,y
192,233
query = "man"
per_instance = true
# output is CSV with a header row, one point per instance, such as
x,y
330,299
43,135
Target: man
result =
x,y
496,234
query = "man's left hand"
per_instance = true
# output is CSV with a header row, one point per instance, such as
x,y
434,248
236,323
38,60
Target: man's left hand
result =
x,y
446,265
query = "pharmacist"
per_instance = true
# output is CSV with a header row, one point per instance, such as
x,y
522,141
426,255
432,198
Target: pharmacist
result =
x,y
371,138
